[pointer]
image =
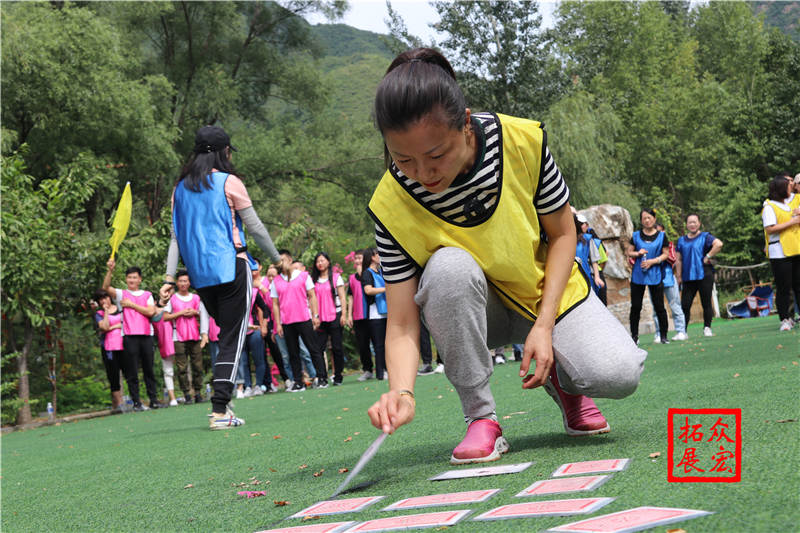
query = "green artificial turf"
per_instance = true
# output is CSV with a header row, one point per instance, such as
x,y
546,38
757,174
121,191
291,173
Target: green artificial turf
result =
x,y
165,471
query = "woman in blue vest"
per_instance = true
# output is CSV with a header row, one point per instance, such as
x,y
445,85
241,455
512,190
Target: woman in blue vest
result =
x,y
460,216
673,296
210,206
587,255
600,287
650,248
694,271
375,290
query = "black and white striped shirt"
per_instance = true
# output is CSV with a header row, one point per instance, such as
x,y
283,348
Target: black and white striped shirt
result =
x,y
473,194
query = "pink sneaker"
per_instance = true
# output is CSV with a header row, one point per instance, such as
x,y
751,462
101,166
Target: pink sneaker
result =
x,y
484,442
581,415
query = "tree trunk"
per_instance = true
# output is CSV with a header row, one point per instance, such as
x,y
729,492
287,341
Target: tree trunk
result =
x,y
24,415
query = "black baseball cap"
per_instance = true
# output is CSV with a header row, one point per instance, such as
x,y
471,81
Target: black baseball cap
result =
x,y
210,139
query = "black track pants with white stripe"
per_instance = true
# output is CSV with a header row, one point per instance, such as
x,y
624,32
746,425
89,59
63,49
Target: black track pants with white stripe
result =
x,y
229,305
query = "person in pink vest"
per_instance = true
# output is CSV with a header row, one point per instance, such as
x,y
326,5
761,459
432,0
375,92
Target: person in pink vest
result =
x,y
262,283
329,289
213,340
138,307
109,322
190,319
294,307
166,348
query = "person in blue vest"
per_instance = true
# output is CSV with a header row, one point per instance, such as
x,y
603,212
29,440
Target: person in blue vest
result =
x,y
649,248
475,233
602,258
210,209
587,255
694,270
375,290
673,296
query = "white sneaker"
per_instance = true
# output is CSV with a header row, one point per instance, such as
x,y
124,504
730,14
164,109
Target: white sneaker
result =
x,y
365,376
707,332
288,384
225,422
439,369
657,339
257,391
173,403
681,336
499,360
239,394
248,392
786,324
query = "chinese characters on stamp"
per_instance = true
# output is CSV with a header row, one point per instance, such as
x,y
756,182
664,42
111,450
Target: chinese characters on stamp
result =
x,y
704,445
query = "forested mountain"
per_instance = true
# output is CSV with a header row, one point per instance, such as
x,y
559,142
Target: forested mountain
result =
x,y
341,40
353,64
783,15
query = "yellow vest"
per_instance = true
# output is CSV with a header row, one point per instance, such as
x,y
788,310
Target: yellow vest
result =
x,y
501,245
790,237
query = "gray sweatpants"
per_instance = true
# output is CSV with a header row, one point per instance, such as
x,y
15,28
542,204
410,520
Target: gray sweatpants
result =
x,y
595,356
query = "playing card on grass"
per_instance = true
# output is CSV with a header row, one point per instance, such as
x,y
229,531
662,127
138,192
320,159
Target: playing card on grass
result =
x,y
631,520
481,471
546,508
349,505
591,467
567,484
331,527
450,498
411,521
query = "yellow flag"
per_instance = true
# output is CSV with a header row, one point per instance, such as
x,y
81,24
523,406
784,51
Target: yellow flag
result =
x,y
122,219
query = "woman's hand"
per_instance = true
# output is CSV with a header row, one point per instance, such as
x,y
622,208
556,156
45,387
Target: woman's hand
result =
x,y
539,347
391,411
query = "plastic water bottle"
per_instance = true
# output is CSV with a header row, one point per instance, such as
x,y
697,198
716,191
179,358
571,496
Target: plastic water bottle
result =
x,y
51,414
127,404
208,391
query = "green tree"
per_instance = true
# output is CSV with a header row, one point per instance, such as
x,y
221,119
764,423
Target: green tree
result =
x,y
226,61
581,135
38,234
71,86
499,49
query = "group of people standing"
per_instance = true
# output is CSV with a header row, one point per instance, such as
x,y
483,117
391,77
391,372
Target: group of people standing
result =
x,y
129,319
666,270
294,315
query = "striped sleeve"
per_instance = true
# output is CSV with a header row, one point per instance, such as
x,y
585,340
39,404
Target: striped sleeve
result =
x,y
396,265
553,192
